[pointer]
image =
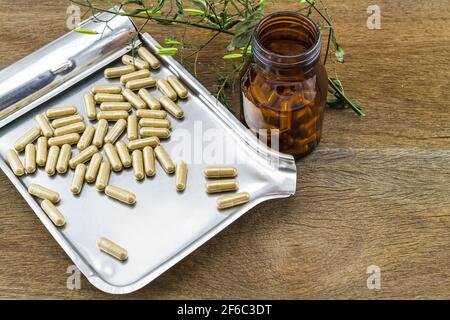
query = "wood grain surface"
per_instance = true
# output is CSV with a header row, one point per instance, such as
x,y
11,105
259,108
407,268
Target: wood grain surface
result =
x,y
375,192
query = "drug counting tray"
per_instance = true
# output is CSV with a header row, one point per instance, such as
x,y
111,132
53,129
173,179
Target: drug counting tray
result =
x,y
164,225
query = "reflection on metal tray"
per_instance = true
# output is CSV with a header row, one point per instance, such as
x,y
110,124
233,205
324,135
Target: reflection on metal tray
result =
x,y
164,226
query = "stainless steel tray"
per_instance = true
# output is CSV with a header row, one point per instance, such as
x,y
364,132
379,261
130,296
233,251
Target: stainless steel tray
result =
x,y
164,226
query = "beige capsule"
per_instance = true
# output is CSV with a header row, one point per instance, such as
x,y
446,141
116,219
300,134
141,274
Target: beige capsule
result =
x,y
113,157
157,114
149,99
52,159
53,213
132,128
166,89
236,199
112,249
141,83
30,158
179,88
135,61
164,159
134,99
71,138
62,122
155,123
44,125
27,138
115,106
138,164
117,72
181,176
149,57
149,161
41,151
162,133
86,138
116,131
144,73
103,176
93,168
220,172
106,88
112,115
89,105
77,127
100,133
144,142
43,193
124,154
60,112
108,97
63,159
83,156
171,107
15,163
221,185
120,194
78,178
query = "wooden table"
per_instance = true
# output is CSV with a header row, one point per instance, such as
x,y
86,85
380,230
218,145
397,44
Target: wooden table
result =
x,y
375,192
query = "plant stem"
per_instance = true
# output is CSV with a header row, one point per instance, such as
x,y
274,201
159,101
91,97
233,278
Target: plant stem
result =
x,y
341,95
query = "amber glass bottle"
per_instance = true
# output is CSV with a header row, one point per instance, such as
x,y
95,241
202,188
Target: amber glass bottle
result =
x,y
284,88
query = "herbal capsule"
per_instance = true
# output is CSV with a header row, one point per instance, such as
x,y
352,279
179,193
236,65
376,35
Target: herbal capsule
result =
x,y
221,185
27,138
43,124
86,138
144,73
108,97
149,161
62,122
134,99
78,178
162,133
124,154
141,83
30,158
93,167
89,104
60,112
181,176
155,123
141,143
116,131
15,163
166,89
71,138
132,128
43,193
113,157
233,200
171,107
117,72
41,151
164,159
52,159
83,156
120,194
100,133
112,249
145,113
63,159
150,58
103,176
179,88
138,165
220,172
149,99
115,106
134,61
106,88
77,127
53,213
112,115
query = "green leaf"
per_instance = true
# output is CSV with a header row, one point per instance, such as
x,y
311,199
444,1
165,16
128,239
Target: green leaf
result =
x,y
245,28
194,12
233,56
85,31
339,53
139,2
200,3
167,51
171,42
